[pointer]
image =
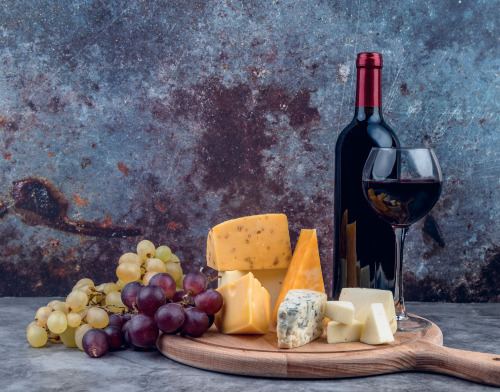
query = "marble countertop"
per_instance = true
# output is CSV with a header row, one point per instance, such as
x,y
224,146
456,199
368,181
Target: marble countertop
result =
x,y
472,327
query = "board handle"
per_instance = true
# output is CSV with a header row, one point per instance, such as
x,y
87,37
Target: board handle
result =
x,y
469,365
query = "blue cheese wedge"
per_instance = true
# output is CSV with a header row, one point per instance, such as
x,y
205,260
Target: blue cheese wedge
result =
x,y
301,318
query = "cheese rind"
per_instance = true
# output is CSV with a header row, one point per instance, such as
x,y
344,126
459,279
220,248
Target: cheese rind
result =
x,y
362,298
341,333
272,280
377,329
250,243
301,318
304,271
246,307
340,311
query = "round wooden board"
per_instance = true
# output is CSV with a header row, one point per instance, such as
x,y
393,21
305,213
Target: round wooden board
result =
x,y
259,355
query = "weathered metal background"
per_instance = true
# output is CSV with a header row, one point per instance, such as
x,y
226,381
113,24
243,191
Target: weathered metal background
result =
x,y
159,119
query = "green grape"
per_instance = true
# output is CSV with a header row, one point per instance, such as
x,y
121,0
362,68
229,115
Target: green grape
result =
x,y
42,314
155,265
174,269
77,300
57,322
121,284
36,335
145,249
114,302
178,283
130,258
174,258
128,272
147,277
58,305
54,337
84,282
79,332
163,253
74,320
97,317
68,337
109,287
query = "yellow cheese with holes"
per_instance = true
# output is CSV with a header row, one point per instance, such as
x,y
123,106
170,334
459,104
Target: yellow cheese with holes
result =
x,y
271,279
246,308
304,271
250,243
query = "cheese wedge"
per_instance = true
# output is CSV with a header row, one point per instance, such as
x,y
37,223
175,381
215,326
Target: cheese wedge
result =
x,y
246,308
271,279
250,243
304,271
377,329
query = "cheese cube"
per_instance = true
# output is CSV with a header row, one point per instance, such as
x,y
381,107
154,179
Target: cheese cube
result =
x,y
246,308
305,269
250,243
340,311
362,299
377,329
301,318
341,333
271,279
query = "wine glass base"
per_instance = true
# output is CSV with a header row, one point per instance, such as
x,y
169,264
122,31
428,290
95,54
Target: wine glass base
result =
x,y
408,323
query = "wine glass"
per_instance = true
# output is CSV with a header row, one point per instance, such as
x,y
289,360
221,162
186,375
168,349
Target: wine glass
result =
x,y
402,185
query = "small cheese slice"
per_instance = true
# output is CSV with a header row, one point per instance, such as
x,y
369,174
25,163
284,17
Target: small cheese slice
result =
x,y
340,311
305,268
246,308
342,333
377,329
250,243
271,279
301,318
362,298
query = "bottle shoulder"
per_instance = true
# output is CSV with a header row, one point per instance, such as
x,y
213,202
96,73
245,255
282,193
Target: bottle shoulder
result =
x,y
378,133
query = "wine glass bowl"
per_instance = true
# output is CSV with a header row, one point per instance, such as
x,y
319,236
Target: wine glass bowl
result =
x,y
402,185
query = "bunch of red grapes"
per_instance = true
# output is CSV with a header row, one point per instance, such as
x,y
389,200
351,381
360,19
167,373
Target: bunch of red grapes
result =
x,y
157,307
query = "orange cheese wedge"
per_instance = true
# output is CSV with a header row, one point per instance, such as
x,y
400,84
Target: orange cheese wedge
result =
x,y
304,271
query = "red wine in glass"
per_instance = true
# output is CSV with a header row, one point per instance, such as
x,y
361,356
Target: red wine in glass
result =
x,y
402,185
403,202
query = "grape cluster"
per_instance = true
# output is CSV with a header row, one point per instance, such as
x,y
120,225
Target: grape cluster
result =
x,y
150,295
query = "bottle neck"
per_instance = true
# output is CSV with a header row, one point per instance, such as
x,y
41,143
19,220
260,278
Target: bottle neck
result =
x,y
368,91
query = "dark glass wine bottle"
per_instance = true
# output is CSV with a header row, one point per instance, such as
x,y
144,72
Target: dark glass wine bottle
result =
x,y
364,244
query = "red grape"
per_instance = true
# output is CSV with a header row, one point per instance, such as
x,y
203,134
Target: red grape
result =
x,y
170,317
179,297
165,281
129,293
195,282
210,301
115,320
195,322
95,342
149,299
116,338
142,331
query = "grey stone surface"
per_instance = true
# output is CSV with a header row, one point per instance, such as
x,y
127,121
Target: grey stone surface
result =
x,y
472,327
166,118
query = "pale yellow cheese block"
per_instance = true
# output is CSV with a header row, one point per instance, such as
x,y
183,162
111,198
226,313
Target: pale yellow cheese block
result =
x,y
341,333
272,280
340,311
377,329
246,308
250,243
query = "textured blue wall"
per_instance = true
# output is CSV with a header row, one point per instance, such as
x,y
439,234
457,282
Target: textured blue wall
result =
x,y
155,119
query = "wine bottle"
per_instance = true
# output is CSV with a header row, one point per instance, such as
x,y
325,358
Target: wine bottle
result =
x,y
364,244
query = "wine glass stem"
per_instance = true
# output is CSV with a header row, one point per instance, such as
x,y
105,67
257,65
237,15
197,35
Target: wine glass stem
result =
x,y
399,302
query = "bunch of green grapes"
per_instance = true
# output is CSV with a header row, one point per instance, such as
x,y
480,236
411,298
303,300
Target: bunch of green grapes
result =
x,y
89,306
146,262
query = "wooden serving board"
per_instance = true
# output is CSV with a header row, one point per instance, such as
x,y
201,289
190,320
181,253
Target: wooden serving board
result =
x,y
259,355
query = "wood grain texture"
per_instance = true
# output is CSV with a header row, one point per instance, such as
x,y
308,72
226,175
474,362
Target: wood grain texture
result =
x,y
260,356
